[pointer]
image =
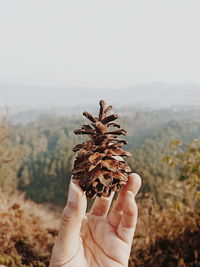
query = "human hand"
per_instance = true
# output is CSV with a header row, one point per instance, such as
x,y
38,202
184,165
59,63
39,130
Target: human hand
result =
x,y
97,238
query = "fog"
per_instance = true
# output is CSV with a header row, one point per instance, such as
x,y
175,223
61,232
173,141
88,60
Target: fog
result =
x,y
146,95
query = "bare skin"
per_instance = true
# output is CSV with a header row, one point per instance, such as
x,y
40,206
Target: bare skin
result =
x,y
98,238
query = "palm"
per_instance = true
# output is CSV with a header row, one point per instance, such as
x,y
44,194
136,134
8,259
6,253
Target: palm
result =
x,y
101,244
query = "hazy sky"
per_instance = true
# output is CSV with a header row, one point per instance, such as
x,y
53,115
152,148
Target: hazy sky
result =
x,y
104,43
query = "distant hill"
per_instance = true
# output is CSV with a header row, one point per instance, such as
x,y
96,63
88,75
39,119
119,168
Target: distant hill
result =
x,y
151,95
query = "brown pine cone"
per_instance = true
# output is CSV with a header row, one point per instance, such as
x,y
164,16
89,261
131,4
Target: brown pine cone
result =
x,y
99,165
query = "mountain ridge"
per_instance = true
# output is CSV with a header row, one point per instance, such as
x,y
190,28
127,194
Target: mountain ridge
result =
x,y
150,95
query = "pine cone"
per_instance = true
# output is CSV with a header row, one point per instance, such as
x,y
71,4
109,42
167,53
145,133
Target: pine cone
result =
x,y
99,165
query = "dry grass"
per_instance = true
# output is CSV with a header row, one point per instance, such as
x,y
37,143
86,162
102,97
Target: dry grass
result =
x,y
27,232
48,213
167,237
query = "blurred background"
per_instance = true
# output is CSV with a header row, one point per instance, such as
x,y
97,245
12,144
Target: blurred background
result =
x,y
58,59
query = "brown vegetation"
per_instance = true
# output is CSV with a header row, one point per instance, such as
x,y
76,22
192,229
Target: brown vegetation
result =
x,y
168,237
27,232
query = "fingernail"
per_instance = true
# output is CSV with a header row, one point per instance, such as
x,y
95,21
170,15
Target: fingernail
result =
x,y
73,193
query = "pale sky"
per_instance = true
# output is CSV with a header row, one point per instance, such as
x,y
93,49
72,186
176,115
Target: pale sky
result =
x,y
104,43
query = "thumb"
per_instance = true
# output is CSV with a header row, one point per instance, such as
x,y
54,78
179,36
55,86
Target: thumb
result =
x,y
72,216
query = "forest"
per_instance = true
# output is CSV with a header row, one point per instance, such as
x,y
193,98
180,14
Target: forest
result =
x,y
36,159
